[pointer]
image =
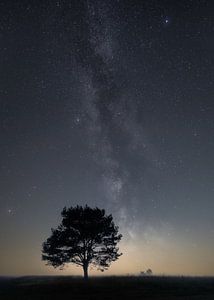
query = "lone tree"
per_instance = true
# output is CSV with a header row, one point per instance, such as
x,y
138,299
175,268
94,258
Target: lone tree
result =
x,y
86,236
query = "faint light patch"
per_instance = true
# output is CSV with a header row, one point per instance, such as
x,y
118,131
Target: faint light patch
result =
x,y
77,120
10,212
132,234
122,214
113,187
101,32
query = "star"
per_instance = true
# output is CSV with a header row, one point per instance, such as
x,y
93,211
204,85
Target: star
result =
x,y
166,21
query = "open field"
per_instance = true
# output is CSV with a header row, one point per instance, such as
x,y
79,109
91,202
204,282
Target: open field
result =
x,y
149,288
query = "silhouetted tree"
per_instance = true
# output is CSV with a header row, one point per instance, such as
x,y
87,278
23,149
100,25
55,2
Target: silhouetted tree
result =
x,y
85,236
149,272
146,273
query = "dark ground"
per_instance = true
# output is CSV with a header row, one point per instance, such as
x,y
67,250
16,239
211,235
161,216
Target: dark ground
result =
x,y
45,288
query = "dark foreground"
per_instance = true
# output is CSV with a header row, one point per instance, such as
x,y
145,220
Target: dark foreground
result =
x,y
148,288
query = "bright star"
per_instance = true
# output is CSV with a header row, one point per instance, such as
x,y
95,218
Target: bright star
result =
x,y
166,21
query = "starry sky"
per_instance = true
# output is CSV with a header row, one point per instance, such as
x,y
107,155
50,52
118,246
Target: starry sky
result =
x,y
108,103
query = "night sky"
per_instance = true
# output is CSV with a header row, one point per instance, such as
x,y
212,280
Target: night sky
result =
x,y
108,103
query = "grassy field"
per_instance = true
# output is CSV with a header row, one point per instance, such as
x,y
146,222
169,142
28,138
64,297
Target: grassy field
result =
x,y
45,288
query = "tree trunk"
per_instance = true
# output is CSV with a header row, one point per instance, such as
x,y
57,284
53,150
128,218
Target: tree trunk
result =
x,y
85,269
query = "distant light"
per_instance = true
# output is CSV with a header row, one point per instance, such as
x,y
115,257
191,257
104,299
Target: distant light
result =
x,y
10,211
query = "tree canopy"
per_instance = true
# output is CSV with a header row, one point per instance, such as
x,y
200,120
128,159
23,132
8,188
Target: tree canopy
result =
x,y
86,236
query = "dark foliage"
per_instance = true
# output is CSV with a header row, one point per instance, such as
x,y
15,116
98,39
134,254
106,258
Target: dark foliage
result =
x,y
86,236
